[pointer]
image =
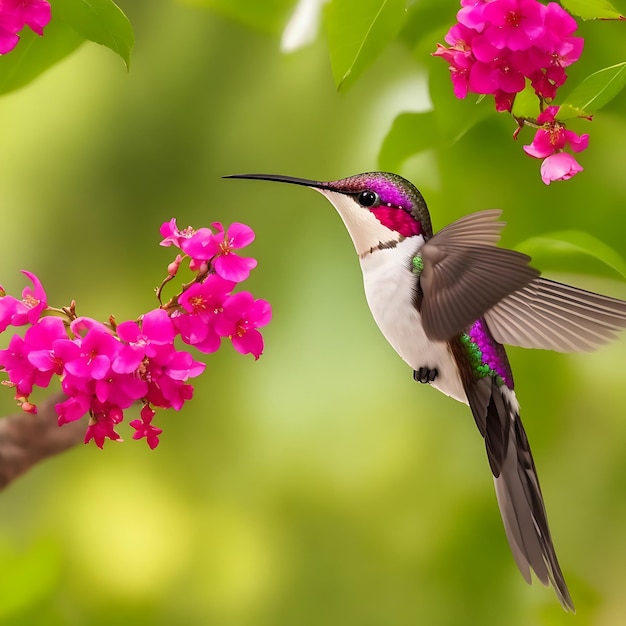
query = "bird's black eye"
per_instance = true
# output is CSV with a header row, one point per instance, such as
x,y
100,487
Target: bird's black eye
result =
x,y
368,198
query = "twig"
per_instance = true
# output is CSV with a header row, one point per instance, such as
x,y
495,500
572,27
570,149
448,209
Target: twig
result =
x,y
26,439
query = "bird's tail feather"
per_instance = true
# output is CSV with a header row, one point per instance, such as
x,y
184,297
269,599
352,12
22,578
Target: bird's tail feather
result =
x,y
519,494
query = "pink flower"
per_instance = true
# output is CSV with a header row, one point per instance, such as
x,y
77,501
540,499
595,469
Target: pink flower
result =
x,y
166,374
105,368
200,246
498,44
28,310
104,418
504,100
33,301
156,330
121,390
471,14
73,408
172,236
499,74
242,316
203,303
144,428
513,24
15,14
558,21
459,56
90,358
206,297
554,137
8,307
22,374
545,82
40,340
559,166
228,264
8,38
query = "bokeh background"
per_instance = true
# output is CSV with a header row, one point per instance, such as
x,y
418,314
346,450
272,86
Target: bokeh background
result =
x,y
319,485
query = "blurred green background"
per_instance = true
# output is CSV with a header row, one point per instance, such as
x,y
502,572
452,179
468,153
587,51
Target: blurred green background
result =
x,y
319,485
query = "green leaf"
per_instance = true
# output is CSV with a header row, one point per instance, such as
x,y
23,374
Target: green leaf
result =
x,y
577,242
268,16
358,31
101,21
34,55
592,9
410,133
526,103
596,90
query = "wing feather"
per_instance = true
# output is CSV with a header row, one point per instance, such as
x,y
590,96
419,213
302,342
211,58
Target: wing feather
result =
x,y
553,316
464,274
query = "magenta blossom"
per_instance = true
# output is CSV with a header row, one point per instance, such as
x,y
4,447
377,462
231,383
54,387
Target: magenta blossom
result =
x,y
166,374
40,341
92,357
172,236
73,408
242,316
498,44
218,247
554,137
23,376
102,425
104,369
459,56
549,143
203,303
513,24
28,310
16,14
200,246
559,166
120,390
228,264
138,341
498,47
144,427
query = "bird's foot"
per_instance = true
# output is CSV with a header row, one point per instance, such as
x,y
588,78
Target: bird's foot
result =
x,y
425,374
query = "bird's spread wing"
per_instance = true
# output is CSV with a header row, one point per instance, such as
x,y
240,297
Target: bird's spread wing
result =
x,y
550,315
464,274
519,496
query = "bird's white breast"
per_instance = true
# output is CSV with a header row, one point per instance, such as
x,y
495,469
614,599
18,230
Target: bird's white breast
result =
x,y
389,289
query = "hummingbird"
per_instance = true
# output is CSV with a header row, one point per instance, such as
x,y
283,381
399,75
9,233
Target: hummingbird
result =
x,y
447,302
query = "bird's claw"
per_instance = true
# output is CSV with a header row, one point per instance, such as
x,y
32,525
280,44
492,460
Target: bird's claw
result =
x,y
425,374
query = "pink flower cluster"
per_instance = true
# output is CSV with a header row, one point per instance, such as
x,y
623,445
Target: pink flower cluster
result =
x,y
498,46
16,14
106,368
549,143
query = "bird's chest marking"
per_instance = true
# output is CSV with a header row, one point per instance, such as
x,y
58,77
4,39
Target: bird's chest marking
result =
x,y
417,265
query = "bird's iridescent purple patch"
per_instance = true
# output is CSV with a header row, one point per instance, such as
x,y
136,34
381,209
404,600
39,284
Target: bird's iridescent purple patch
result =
x,y
394,212
389,192
491,353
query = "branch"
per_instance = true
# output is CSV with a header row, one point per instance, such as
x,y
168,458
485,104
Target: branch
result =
x,y
26,439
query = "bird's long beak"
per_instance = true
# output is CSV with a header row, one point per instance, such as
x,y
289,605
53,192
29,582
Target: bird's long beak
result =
x,y
316,184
